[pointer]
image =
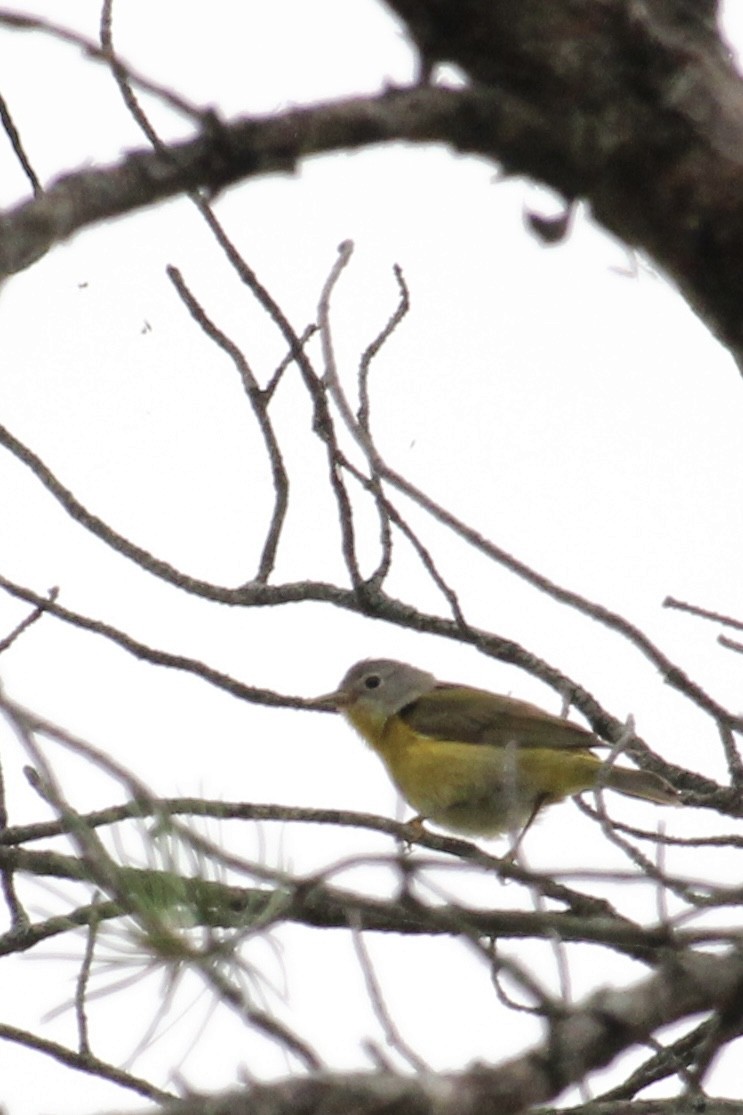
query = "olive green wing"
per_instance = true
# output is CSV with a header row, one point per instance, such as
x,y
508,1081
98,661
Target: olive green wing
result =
x,y
456,712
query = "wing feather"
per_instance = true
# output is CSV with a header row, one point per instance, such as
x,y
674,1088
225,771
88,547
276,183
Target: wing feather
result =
x,y
455,712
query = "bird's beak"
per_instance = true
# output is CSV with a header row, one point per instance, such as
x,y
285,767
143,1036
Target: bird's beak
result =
x,y
332,702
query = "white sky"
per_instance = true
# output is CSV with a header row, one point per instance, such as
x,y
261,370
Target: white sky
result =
x,y
563,401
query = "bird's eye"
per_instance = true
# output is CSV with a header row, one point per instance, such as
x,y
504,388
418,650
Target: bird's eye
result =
x,y
373,681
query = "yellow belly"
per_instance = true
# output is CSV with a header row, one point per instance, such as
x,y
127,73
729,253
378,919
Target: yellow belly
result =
x,y
476,789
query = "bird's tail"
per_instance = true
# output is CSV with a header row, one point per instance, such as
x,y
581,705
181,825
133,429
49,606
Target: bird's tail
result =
x,y
642,784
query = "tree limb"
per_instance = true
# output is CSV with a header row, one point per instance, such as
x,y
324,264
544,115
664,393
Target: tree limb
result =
x,y
633,105
580,1040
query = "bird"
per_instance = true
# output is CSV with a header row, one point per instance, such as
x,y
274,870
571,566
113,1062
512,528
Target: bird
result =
x,y
474,762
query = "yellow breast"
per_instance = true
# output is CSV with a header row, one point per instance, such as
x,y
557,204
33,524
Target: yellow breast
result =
x,y
476,789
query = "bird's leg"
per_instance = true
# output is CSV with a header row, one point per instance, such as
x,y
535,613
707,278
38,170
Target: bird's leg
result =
x,y
538,803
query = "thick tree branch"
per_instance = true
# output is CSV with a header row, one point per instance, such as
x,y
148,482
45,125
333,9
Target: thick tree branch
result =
x,y
315,904
580,1040
249,147
633,105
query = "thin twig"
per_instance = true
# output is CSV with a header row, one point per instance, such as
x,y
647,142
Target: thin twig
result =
x,y
18,22
703,613
81,986
85,1062
256,398
6,119
31,618
390,1028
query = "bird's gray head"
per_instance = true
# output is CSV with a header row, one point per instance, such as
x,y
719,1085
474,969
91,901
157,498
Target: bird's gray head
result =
x,y
382,686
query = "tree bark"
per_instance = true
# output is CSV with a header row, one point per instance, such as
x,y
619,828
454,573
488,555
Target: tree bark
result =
x,y
635,107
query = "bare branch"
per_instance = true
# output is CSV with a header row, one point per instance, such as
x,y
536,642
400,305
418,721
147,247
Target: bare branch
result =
x,y
587,1037
84,1062
16,143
